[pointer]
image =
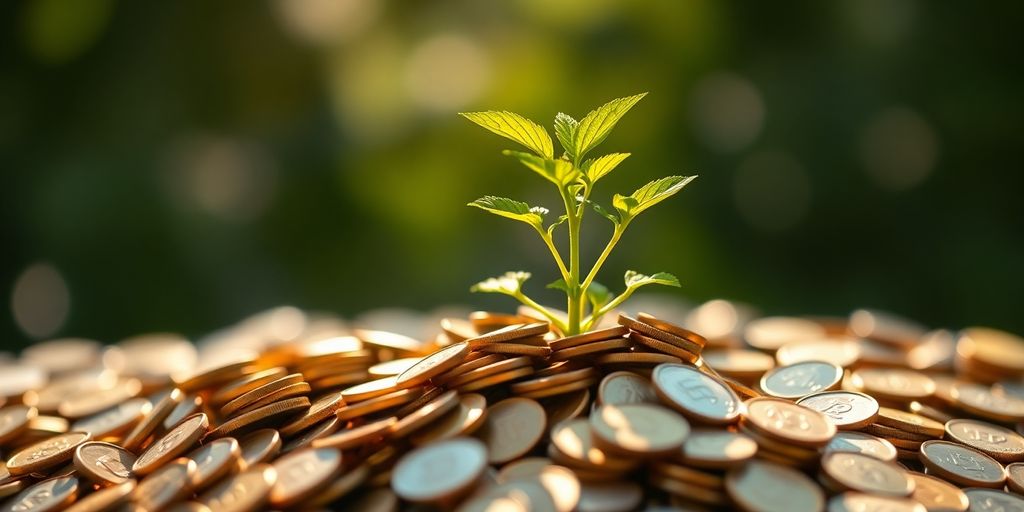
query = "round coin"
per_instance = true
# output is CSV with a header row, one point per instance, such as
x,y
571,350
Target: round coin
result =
x,y
416,477
859,502
840,352
859,442
47,453
156,416
46,496
302,473
213,461
1000,443
626,388
14,420
747,365
801,379
167,484
771,333
104,463
512,428
107,498
847,410
353,437
433,365
909,422
937,494
639,429
789,422
717,449
259,447
961,465
991,500
893,384
176,442
698,396
862,473
114,421
1015,477
764,486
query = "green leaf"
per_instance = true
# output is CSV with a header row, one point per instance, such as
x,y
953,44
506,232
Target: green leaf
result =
x,y
596,168
510,283
559,172
605,213
565,130
598,295
512,209
555,224
593,128
635,280
649,195
558,284
516,127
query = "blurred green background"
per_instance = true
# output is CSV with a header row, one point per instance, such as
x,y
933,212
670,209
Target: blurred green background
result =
x,y
178,165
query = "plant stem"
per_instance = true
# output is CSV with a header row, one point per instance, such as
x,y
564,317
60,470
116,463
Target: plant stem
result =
x,y
616,235
596,315
541,309
573,282
554,253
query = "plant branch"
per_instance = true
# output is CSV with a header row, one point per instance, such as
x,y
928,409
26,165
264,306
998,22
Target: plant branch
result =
x,y
521,297
616,235
554,252
596,315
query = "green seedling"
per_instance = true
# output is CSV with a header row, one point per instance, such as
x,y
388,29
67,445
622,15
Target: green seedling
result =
x,y
575,178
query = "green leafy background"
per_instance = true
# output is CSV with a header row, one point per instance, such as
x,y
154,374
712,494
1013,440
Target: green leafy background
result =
x,y
183,164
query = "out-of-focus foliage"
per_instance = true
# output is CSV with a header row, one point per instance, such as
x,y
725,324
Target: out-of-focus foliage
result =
x,y
177,165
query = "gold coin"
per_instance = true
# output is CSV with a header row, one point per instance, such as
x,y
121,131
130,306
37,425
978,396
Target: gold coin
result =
x,y
552,381
458,329
323,408
46,454
572,444
738,363
302,473
116,420
299,389
259,447
1000,443
635,358
698,396
46,496
243,385
938,494
341,487
841,352
909,422
566,407
322,429
107,498
859,502
771,333
104,463
416,477
847,410
512,428
263,416
509,333
370,389
250,397
717,449
391,368
993,347
390,341
1015,477
94,401
516,349
801,379
649,331
188,406
14,420
145,428
672,328
862,473
626,388
655,344
213,461
425,415
493,380
247,491
981,401
380,403
764,486
991,500
473,361
617,331
961,465
433,365
638,429
176,442
595,347
789,422
167,484
893,384
357,436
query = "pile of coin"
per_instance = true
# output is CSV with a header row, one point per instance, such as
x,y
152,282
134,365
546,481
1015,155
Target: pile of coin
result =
x,y
497,412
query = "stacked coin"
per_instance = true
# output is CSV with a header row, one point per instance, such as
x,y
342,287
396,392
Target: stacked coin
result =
x,y
498,412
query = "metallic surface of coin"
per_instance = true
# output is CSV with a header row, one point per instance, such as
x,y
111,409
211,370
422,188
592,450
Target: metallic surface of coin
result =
x,y
862,473
859,442
213,461
698,396
639,429
991,500
46,496
247,491
512,428
961,464
937,494
14,420
764,486
107,498
626,388
168,484
47,453
104,463
114,421
1000,443
176,442
860,502
433,365
847,410
717,449
417,479
801,379
302,473
789,422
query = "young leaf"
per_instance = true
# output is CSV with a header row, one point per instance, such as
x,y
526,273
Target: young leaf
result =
x,y
596,168
559,172
512,209
565,130
593,128
561,219
516,127
558,284
605,213
649,195
509,283
635,280
598,295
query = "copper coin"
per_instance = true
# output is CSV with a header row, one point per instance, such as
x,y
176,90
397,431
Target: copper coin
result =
x,y
994,347
167,484
596,347
763,486
787,421
770,333
741,364
555,489
104,463
145,428
389,340
425,415
991,500
494,380
252,397
563,389
981,401
508,333
1000,443
526,467
961,464
176,442
259,447
617,331
552,381
107,498
341,486
416,477
512,428
635,358
114,421
14,420
261,417
626,388
649,331
801,379
672,328
862,473
91,402
909,422
573,440
306,437
393,367
566,407
302,473
247,491
651,343
46,496
609,497
893,384
859,502
937,494
212,372
45,454
639,429
859,442
1015,477
433,365
370,389
214,461
698,396
717,449
323,408
473,361
354,437
188,406
458,329
838,351
847,410
239,387
380,403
